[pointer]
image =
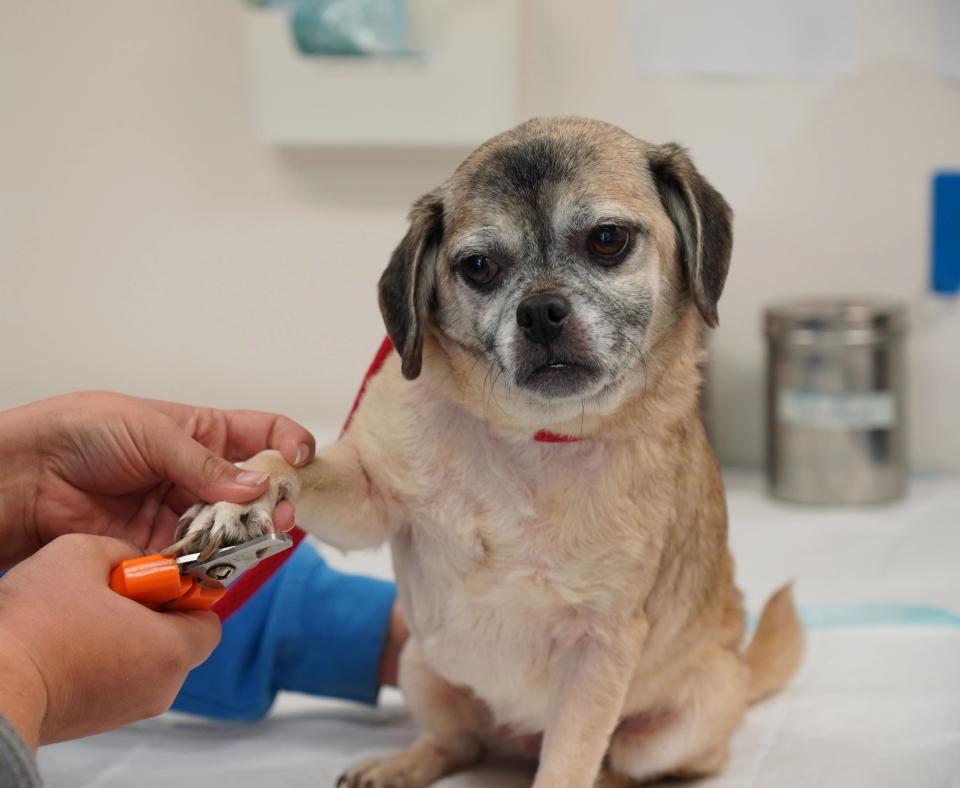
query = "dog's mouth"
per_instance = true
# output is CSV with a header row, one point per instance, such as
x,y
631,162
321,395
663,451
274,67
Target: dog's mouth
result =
x,y
557,365
560,377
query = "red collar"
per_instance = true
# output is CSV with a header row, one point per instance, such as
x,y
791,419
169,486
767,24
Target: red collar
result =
x,y
551,437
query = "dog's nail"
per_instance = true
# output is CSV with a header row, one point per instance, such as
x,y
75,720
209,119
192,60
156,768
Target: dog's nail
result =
x,y
211,547
252,478
303,451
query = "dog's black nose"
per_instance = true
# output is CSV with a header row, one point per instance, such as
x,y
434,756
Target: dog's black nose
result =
x,y
541,316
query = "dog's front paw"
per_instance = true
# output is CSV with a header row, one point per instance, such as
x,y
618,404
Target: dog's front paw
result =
x,y
206,527
392,771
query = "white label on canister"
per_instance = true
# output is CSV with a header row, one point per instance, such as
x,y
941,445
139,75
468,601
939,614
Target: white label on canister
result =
x,y
854,410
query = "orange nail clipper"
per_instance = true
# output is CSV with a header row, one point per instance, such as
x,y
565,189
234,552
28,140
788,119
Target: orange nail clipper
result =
x,y
165,582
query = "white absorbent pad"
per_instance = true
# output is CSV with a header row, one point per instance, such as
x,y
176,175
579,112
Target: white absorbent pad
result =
x,y
876,704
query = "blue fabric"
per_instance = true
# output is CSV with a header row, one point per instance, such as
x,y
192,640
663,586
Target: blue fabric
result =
x,y
309,629
873,615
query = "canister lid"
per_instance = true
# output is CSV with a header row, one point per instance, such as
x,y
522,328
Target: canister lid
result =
x,y
839,320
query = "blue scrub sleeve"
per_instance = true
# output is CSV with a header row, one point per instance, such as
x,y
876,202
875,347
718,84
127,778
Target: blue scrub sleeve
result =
x,y
309,629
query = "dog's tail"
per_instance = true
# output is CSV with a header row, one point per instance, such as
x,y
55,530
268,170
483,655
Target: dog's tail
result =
x,y
775,651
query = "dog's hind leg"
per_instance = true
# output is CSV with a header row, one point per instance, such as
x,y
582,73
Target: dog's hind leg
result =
x,y
452,721
690,737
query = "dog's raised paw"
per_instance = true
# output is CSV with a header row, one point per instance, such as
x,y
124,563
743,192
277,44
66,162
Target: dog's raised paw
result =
x,y
206,527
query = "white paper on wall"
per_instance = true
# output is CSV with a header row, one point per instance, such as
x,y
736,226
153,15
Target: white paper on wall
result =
x,y
948,35
744,37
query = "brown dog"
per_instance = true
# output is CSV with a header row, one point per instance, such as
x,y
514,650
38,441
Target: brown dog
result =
x,y
581,590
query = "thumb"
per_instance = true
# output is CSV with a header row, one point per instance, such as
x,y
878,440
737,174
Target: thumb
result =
x,y
201,472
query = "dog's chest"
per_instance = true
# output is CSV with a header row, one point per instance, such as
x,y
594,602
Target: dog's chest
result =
x,y
505,556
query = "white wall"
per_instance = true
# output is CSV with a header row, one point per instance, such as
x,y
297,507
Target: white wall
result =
x,y
150,243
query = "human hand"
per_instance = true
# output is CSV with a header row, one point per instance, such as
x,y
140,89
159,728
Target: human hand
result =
x,y
126,467
76,658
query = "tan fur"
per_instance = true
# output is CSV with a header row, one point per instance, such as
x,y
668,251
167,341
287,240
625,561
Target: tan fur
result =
x,y
579,590
774,653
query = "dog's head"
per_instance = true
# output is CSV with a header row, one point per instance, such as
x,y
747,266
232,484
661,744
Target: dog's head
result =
x,y
559,253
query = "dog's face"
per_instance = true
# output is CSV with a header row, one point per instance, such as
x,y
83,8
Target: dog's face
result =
x,y
557,253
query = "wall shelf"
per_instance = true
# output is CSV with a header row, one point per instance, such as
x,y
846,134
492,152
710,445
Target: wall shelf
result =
x,y
460,93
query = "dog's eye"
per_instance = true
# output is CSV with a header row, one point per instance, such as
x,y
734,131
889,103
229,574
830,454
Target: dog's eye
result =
x,y
607,240
479,270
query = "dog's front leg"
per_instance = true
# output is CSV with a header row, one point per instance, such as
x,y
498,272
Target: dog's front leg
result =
x,y
333,497
339,503
588,685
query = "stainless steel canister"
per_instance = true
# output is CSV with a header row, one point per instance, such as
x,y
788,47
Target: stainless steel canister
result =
x,y
836,428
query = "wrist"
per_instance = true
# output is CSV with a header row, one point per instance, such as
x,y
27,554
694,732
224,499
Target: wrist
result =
x,y
23,692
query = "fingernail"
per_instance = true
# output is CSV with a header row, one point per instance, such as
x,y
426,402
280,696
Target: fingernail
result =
x,y
251,478
303,451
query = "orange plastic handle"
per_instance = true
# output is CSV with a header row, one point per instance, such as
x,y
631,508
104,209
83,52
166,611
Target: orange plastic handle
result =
x,y
197,598
155,580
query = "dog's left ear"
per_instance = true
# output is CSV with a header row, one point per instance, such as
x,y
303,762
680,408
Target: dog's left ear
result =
x,y
407,286
704,224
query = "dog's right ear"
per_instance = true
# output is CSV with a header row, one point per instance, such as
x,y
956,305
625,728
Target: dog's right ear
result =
x,y
407,286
